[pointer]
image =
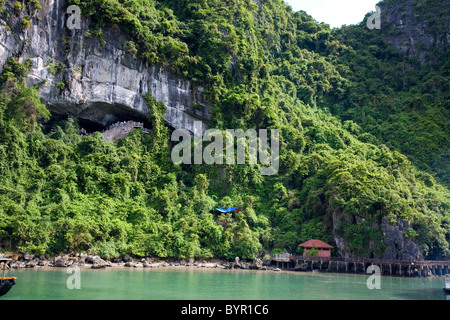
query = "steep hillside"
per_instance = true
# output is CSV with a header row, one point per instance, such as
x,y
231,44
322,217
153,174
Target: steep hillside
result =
x,y
243,64
400,81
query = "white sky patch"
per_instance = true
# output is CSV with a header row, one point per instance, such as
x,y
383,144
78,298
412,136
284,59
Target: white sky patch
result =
x,y
335,12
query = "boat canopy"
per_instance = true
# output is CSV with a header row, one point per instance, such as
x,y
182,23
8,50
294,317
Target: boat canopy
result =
x,y
226,210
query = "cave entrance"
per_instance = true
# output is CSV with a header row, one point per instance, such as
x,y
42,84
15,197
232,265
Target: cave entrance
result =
x,y
101,117
98,117
90,126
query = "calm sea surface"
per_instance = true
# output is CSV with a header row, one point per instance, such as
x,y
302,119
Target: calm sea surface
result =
x,y
196,284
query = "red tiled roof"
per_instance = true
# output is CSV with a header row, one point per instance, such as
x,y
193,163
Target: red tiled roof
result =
x,y
315,243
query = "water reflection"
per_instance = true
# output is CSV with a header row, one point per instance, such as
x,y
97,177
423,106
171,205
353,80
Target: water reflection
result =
x,y
193,284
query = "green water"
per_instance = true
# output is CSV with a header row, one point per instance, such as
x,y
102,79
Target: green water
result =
x,y
195,284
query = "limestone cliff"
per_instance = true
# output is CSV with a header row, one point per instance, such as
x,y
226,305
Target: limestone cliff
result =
x,y
416,28
382,239
92,78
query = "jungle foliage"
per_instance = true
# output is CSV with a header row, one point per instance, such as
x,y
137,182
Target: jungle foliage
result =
x,y
346,158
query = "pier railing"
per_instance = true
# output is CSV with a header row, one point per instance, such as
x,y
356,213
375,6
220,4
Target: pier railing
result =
x,y
282,256
370,260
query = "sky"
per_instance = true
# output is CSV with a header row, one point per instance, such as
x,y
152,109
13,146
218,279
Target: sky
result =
x,y
335,12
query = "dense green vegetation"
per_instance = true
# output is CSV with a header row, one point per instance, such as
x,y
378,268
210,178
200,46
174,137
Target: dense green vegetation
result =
x,y
400,102
263,66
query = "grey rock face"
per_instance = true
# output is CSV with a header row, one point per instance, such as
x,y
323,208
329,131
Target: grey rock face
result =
x,y
413,36
340,242
102,83
398,246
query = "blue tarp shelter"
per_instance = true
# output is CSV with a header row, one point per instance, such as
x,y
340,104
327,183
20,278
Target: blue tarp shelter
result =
x,y
226,210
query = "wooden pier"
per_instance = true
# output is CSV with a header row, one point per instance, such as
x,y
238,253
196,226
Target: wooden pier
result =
x,y
400,268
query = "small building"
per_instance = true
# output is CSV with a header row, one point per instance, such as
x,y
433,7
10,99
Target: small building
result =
x,y
323,249
224,223
227,210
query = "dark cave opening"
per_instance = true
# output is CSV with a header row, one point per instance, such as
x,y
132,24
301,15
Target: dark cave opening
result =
x,y
88,126
96,118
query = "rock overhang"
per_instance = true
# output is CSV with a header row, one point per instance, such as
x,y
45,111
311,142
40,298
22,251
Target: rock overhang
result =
x,y
83,77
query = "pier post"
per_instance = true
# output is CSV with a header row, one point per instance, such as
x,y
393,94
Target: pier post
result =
x,y
440,269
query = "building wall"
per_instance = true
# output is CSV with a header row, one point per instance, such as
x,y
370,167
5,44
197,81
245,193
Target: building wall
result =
x,y
322,253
